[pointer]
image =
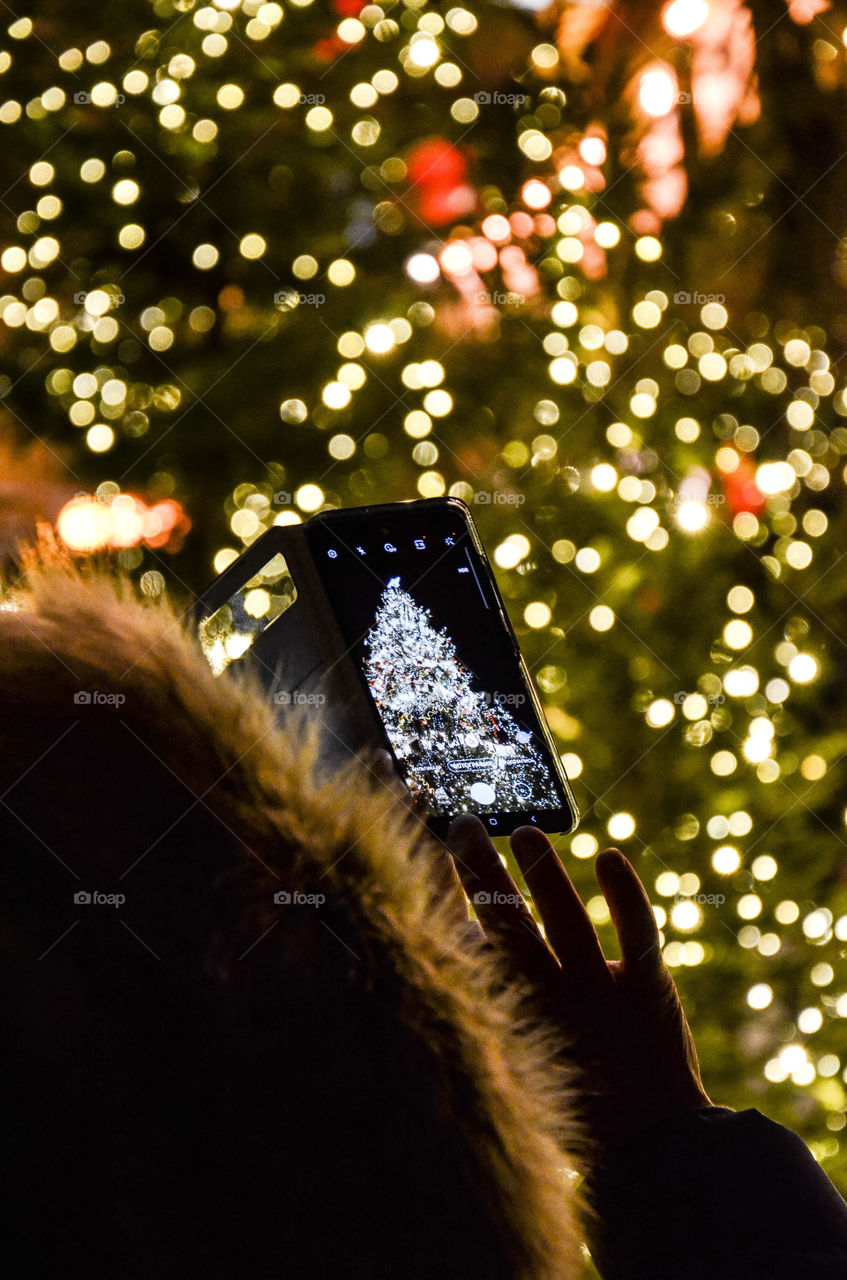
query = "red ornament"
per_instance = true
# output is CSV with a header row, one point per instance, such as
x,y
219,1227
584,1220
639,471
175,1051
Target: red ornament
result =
x,y
437,174
329,48
740,488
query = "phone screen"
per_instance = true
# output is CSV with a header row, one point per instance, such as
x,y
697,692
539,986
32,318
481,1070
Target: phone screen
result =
x,y
424,623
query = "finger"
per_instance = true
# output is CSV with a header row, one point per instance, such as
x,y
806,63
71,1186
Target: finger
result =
x,y
498,902
566,922
632,913
488,884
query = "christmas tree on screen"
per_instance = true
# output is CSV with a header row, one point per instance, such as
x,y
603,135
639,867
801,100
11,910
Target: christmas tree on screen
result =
x,y
582,267
458,744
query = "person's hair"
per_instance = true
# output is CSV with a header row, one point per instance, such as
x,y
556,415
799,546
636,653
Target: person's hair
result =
x,y
202,1081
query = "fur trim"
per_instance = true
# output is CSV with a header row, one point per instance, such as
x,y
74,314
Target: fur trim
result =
x,y
271,823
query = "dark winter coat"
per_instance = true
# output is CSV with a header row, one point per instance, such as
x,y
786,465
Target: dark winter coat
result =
x,y
243,1036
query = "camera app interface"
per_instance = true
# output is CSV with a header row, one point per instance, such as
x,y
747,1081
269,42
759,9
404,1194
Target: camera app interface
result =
x,y
420,617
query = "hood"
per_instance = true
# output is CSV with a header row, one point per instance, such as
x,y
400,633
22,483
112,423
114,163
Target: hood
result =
x,y
315,1071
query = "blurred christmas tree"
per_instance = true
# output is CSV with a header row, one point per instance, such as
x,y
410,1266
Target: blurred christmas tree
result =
x,y
433,716
583,268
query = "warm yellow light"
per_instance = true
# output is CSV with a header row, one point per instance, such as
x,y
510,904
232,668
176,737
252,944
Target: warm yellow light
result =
x,y
657,91
726,860
424,52
309,497
775,477
593,150
682,18
759,996
660,713
537,614
604,477
741,682
100,437
583,845
802,668
510,552
456,258
692,516
686,916
85,524
379,338
601,618
126,191
621,826
737,633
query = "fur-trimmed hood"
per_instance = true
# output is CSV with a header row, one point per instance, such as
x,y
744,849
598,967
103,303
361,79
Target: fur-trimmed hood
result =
x,y
293,1060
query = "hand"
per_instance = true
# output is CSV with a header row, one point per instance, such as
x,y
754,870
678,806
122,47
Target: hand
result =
x,y
621,1020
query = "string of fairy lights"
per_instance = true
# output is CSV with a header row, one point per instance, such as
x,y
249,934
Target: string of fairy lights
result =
x,y
538,259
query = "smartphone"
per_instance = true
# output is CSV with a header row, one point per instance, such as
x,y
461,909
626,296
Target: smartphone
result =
x,y
422,621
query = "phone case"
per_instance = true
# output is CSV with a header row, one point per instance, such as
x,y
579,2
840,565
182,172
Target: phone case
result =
x,y
300,657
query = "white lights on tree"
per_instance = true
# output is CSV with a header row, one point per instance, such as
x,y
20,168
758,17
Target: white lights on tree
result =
x,y
461,749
